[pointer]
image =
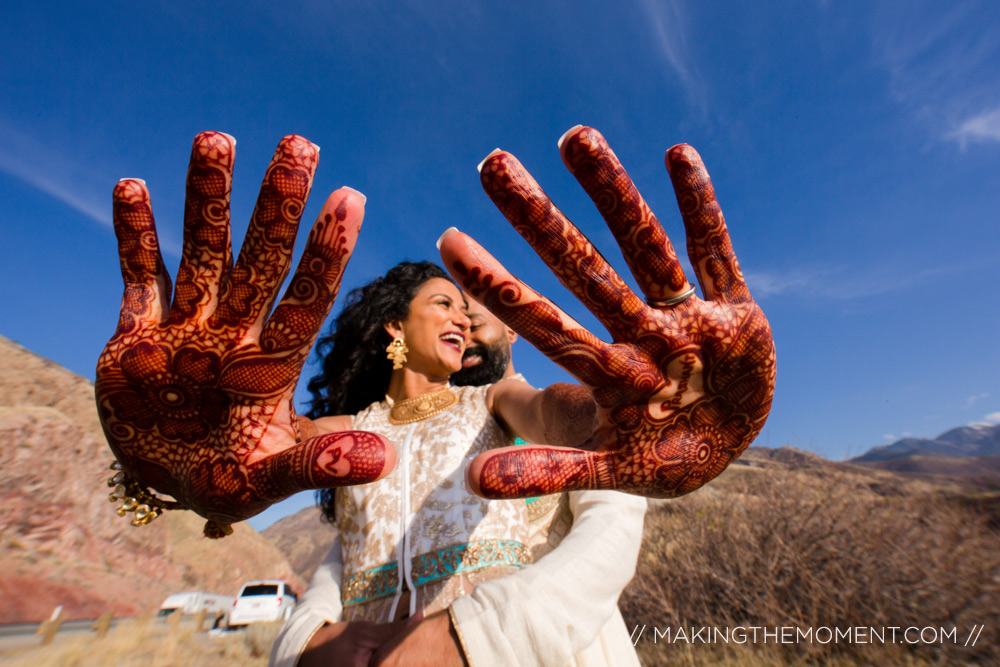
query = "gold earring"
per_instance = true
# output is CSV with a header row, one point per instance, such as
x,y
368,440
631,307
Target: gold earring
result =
x,y
397,352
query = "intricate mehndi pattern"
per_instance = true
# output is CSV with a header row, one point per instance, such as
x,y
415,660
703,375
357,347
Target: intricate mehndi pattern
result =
x,y
196,401
682,390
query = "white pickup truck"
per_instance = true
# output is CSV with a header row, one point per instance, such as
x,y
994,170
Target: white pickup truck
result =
x,y
217,607
262,601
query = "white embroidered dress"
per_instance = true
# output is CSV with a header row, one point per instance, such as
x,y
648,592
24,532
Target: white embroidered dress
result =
x,y
419,529
562,610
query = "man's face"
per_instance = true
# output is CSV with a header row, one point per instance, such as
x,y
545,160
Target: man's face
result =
x,y
487,353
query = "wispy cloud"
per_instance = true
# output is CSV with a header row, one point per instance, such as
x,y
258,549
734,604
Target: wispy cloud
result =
x,y
80,187
992,418
40,166
839,282
792,281
941,60
668,23
979,128
972,400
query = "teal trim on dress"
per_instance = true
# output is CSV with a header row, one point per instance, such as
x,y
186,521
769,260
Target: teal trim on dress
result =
x,y
431,567
373,583
381,581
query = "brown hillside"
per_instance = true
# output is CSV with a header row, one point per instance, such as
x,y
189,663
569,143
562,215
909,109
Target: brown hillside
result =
x,y
786,539
304,538
61,542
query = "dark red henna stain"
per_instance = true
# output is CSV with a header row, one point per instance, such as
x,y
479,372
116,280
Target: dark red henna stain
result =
x,y
645,245
314,286
709,247
139,254
341,459
193,407
207,252
574,260
687,388
174,393
267,248
534,471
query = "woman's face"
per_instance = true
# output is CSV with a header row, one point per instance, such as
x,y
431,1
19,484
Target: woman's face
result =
x,y
435,330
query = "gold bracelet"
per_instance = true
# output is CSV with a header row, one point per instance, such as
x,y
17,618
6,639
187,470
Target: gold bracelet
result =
x,y
136,498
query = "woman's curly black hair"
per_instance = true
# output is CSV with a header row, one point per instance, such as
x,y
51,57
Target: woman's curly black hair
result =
x,y
355,372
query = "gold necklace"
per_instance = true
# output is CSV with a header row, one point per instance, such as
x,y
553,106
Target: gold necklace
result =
x,y
421,407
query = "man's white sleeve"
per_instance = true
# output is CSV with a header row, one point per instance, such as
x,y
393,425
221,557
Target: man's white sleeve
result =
x,y
550,611
320,604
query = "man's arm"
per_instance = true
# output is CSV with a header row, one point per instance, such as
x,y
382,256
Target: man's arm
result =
x,y
563,415
319,605
555,608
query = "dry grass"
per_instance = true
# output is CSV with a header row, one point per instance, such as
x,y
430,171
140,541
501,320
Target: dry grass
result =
x,y
810,550
138,643
800,549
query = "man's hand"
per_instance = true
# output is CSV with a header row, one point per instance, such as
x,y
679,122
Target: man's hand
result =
x,y
429,642
195,396
348,644
686,383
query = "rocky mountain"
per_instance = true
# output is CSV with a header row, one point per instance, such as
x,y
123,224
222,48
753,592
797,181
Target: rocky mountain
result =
x,y
978,440
61,542
970,454
304,537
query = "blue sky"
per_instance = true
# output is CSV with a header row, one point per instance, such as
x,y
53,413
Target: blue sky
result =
x,y
855,148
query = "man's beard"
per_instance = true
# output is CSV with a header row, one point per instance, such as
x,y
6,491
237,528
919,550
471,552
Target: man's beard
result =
x,y
495,359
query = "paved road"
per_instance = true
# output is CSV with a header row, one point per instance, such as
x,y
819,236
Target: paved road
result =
x,y
24,635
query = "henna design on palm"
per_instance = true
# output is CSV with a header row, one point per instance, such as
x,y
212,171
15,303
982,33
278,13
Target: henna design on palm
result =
x,y
196,398
681,390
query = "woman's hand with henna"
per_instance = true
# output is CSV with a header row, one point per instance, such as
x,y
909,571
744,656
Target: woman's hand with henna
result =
x,y
685,385
195,396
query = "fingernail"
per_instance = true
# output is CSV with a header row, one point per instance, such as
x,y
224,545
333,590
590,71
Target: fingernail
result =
x,y
479,167
566,134
450,230
120,180
317,150
231,137
348,187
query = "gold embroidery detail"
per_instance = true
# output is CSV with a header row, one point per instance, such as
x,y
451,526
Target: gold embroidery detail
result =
x,y
541,506
370,584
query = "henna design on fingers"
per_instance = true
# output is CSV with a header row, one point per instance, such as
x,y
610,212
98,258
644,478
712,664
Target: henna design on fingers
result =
x,y
645,245
340,459
314,286
526,471
574,260
147,285
545,326
196,403
685,388
709,248
207,249
267,248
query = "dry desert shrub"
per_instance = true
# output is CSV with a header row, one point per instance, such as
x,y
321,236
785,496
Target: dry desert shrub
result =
x,y
150,643
806,550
